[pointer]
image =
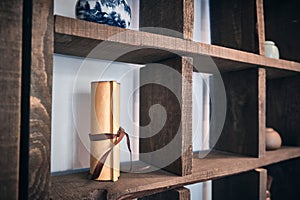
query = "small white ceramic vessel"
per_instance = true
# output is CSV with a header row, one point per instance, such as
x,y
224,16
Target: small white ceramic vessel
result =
x,y
271,50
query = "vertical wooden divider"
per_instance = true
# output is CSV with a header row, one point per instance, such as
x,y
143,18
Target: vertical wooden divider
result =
x,y
168,84
260,26
40,99
262,111
178,127
11,17
247,186
244,126
175,194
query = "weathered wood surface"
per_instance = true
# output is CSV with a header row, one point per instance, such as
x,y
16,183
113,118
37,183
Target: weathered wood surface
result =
x,y
215,165
283,108
79,38
233,24
260,28
177,15
247,186
10,86
244,126
262,103
282,26
170,87
175,194
40,100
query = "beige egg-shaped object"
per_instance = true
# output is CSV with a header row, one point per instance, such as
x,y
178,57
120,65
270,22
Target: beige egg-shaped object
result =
x,y
273,139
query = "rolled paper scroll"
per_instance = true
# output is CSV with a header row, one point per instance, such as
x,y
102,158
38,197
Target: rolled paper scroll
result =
x,y
105,120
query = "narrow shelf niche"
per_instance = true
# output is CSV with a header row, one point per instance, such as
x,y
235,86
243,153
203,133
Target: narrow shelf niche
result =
x,y
283,111
282,26
233,24
244,126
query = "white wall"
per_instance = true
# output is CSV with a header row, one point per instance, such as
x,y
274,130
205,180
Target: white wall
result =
x,y
200,123
71,108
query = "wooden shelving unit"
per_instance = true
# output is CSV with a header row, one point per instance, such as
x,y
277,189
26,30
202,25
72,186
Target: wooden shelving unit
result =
x,y
259,85
261,92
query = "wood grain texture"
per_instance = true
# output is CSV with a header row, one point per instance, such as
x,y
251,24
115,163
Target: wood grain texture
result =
x,y
262,101
233,24
215,165
282,26
263,182
283,108
180,19
40,100
10,87
175,194
187,114
78,38
247,186
245,107
260,26
168,84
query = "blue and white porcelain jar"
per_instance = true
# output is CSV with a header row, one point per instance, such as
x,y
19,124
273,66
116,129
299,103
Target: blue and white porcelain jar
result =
x,y
111,12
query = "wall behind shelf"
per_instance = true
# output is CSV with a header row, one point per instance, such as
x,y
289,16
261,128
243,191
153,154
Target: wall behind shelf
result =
x,y
71,108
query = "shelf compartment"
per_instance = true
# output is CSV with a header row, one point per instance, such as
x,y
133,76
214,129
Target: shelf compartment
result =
x,y
247,186
233,24
215,165
285,179
177,23
282,26
244,126
283,111
78,38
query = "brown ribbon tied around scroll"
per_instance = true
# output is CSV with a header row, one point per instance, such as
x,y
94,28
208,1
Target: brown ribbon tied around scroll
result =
x,y
118,138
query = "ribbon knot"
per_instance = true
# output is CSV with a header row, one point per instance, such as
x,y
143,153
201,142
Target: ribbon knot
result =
x,y
118,138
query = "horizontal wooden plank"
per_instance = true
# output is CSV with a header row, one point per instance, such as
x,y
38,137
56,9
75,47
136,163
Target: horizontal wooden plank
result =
x,y
80,38
130,185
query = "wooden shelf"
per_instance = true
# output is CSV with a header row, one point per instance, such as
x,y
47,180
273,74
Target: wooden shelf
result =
x,y
85,39
27,94
215,165
79,38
